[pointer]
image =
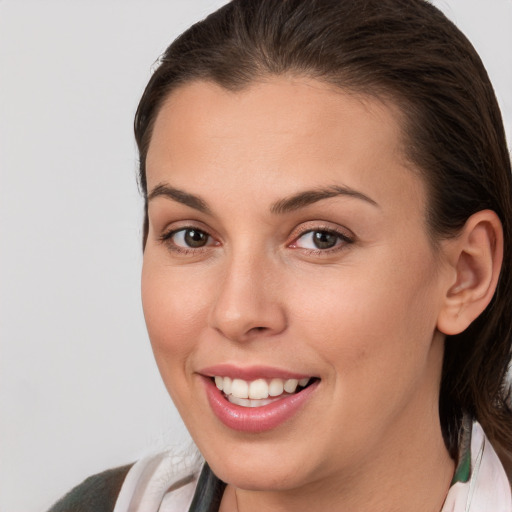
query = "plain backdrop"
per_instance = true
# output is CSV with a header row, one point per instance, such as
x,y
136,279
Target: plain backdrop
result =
x,y
79,390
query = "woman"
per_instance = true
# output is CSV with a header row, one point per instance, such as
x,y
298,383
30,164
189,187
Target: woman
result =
x,y
327,251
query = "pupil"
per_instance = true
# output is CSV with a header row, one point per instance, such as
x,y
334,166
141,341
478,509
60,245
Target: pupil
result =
x,y
194,238
324,239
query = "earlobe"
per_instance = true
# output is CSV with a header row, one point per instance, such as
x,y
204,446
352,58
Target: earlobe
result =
x,y
476,258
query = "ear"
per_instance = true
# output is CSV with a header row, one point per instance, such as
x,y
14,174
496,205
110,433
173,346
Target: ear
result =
x,y
475,259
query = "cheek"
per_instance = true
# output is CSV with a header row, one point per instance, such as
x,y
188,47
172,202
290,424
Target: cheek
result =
x,y
374,324
173,308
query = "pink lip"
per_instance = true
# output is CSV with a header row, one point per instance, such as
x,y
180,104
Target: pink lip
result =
x,y
250,373
255,419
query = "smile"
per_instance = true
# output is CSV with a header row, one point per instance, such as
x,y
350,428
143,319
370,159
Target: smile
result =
x,y
256,400
259,392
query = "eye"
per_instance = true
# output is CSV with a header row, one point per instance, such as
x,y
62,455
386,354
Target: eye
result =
x,y
188,239
321,240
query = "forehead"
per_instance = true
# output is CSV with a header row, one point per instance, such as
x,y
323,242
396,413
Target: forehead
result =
x,y
200,108
285,132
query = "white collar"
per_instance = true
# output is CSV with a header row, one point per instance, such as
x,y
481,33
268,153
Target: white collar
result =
x,y
488,488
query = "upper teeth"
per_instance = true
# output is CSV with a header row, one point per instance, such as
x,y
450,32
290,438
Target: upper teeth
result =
x,y
259,388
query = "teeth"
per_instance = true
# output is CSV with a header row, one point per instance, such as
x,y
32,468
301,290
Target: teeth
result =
x,y
276,387
240,388
226,385
259,389
291,385
246,402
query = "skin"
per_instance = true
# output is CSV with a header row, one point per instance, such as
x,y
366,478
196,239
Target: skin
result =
x,y
361,316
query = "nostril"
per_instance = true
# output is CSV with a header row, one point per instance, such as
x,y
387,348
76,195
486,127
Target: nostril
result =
x,y
258,329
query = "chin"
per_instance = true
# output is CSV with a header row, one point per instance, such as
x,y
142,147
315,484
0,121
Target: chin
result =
x,y
260,479
258,468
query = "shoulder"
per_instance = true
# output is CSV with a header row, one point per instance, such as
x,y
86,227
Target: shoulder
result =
x,y
162,481
98,493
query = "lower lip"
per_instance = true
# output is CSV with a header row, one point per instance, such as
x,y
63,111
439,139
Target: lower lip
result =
x,y
255,419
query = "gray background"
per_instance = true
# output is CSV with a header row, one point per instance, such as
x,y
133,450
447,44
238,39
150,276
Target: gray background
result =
x,y
79,390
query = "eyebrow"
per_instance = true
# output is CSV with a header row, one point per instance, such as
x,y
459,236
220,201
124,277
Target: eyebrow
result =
x,y
303,199
179,196
288,204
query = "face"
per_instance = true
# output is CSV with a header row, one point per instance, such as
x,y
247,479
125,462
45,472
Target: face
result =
x,y
288,264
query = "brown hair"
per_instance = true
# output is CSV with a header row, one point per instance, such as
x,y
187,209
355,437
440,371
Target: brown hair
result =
x,y
406,50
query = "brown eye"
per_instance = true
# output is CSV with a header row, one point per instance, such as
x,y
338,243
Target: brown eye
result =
x,y
321,240
324,239
195,238
189,238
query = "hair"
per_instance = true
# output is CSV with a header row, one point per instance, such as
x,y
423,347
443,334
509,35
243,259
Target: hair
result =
x,y
407,52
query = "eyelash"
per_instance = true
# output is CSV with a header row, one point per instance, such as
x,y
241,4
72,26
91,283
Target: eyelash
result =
x,y
166,238
342,240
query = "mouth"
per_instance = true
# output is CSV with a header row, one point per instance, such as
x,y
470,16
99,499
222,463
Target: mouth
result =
x,y
255,401
259,392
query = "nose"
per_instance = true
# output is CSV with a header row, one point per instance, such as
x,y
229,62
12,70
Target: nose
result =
x,y
249,302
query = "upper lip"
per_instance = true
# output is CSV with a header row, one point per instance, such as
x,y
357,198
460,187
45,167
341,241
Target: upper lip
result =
x,y
250,373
